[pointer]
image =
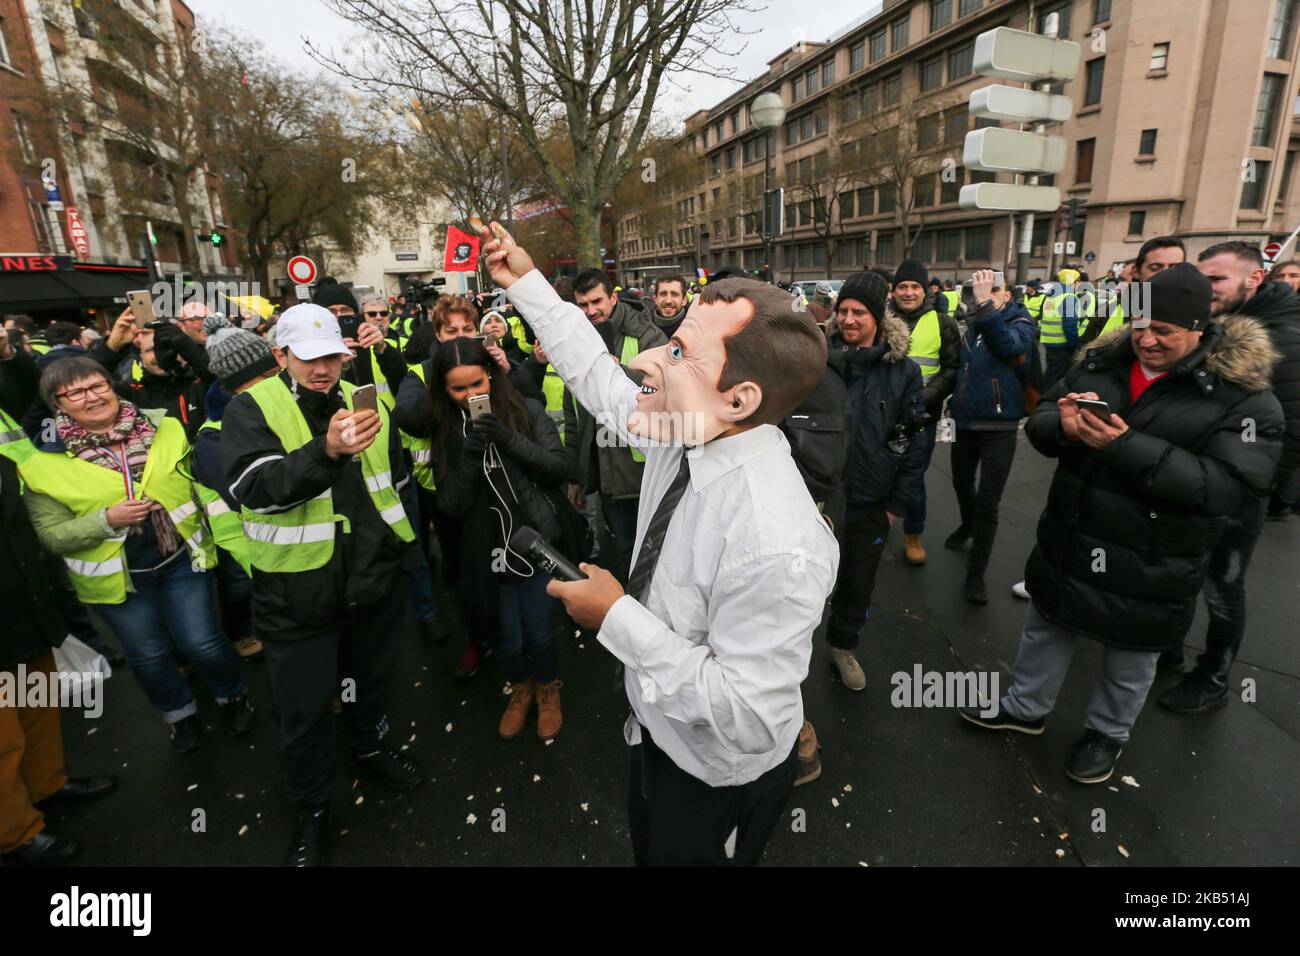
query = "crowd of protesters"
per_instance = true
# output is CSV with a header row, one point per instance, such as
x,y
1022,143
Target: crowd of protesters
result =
x,y
208,494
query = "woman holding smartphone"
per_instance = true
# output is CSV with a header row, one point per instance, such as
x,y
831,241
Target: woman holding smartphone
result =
x,y
498,470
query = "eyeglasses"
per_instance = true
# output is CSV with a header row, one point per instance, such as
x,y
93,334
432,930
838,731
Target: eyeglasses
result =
x,y
77,395
377,315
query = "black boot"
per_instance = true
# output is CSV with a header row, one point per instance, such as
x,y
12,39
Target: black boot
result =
x,y
436,631
1171,661
974,590
44,849
187,734
957,540
310,837
395,770
239,715
1093,758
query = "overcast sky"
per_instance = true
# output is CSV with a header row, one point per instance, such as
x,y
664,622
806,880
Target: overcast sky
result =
x,y
284,25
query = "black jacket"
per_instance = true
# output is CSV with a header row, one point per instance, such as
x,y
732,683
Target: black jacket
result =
x,y
885,465
1277,308
941,384
366,564
19,378
34,621
414,408
1124,542
180,393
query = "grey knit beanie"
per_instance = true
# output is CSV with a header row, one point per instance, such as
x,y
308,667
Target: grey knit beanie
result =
x,y
236,356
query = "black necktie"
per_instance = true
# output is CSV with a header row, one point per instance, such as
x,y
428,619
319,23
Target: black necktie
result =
x,y
638,583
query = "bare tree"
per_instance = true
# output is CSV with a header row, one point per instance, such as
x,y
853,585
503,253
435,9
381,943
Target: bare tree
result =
x,y
591,68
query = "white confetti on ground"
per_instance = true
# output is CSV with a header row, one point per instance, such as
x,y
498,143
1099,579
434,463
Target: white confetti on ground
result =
x,y
863,863
537,777
551,741
848,788
417,683
1116,789
584,807
1123,852
360,800
243,829
471,819
1060,854
448,727
92,731
412,740
834,802
193,786
1036,820
1130,781
1065,836
239,796
498,789
470,797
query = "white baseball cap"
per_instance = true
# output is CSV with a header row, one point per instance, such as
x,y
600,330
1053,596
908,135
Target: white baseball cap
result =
x,y
310,332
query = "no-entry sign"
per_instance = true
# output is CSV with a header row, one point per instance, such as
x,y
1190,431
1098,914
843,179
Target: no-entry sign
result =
x,y
302,270
1272,249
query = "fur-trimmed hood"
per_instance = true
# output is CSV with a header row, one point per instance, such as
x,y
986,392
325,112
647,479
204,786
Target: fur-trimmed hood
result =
x,y
1240,350
892,330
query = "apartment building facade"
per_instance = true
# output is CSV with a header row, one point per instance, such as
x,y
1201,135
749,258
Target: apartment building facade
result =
x,y
1184,124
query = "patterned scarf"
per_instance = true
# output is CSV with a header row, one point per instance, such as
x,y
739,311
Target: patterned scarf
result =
x,y
132,435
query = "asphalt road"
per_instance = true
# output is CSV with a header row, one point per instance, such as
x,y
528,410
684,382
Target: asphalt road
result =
x,y
901,787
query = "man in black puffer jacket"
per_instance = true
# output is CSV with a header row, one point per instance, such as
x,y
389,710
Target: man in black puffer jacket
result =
x,y
1236,274
1139,497
887,455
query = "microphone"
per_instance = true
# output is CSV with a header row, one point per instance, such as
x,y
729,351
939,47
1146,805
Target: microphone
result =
x,y
528,542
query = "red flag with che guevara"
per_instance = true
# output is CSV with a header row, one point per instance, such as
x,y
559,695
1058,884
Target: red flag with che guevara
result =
x,y
462,251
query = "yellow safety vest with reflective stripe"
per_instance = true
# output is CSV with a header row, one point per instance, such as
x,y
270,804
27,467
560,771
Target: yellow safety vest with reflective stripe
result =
x,y
227,527
954,299
553,389
421,449
1034,305
1051,328
14,443
98,573
924,350
383,390
302,538
631,349
517,330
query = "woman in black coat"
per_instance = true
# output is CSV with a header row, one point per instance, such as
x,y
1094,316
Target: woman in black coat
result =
x,y
497,472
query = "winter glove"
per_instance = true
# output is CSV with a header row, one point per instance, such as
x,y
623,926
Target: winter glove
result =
x,y
474,447
493,430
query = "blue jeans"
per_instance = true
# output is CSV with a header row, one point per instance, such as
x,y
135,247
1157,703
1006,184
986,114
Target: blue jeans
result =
x,y
914,520
527,622
174,602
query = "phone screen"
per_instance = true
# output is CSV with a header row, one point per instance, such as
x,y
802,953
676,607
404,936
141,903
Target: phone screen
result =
x,y
141,307
365,396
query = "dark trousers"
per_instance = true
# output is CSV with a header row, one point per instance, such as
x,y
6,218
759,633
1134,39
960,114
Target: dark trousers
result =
x,y
1058,363
1225,594
307,674
234,597
677,820
861,545
914,519
620,516
527,625
992,453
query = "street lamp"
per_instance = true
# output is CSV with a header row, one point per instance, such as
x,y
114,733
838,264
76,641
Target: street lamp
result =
x,y
767,112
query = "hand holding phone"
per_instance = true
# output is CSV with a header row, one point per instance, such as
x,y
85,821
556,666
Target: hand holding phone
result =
x,y
365,397
479,405
1098,408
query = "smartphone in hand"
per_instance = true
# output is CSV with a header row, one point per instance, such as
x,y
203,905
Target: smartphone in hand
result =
x,y
365,397
479,405
141,303
1098,408
350,326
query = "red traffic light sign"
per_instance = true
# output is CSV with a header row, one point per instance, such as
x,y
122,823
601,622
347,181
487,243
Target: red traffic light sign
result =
x,y
302,270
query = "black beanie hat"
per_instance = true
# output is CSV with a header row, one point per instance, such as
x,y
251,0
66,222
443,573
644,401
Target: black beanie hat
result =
x,y
329,292
867,288
912,271
1181,296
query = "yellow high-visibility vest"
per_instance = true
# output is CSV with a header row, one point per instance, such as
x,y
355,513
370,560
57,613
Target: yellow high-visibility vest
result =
x,y
924,350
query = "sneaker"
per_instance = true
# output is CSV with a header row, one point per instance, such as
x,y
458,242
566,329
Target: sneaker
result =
x,y
1093,758
310,839
249,649
974,589
394,770
849,669
1195,694
1171,661
436,631
239,715
549,716
957,540
808,765
187,734
1002,721
1020,591
469,661
913,549
521,700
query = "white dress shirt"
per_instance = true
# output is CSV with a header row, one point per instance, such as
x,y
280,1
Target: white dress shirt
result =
x,y
715,656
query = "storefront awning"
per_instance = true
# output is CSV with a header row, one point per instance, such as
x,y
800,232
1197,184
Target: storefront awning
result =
x,y
85,285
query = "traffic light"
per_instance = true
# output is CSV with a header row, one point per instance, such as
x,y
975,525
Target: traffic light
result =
x,y
216,238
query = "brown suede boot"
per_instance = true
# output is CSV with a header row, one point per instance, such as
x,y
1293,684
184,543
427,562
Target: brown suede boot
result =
x,y
549,718
913,549
808,765
521,698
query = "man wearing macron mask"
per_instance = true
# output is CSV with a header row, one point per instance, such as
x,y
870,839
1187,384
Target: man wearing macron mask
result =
x,y
715,637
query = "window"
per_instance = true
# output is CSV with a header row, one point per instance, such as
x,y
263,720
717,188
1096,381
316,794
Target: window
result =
x,y
1137,223
1096,72
847,199
735,122
885,248
927,131
923,247
731,158
1083,153
822,122
967,7
1266,112
24,140
828,73
810,81
951,191
715,164
898,29
866,201
931,73
791,133
1064,12
888,198
940,14
806,126
949,245
954,126
961,61
717,132
1159,57
1254,190
1100,11
850,108
1284,186
1039,240
1279,35
923,190
877,43
796,89
857,57
1147,144
979,244
892,89
851,253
